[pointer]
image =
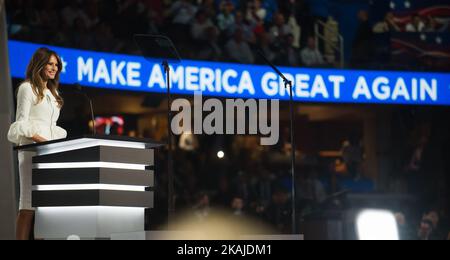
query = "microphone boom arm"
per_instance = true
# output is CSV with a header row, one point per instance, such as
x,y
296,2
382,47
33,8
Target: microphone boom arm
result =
x,y
79,89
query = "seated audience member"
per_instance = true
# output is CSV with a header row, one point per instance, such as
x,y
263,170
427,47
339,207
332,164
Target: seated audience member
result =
x,y
182,12
387,25
289,55
264,45
239,50
416,24
200,26
310,55
226,20
256,12
431,25
280,29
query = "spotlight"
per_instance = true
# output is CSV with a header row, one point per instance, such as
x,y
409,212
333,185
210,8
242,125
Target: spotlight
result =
x,y
377,225
220,155
392,5
407,4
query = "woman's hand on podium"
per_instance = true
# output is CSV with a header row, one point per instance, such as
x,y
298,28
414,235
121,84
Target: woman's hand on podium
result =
x,y
38,139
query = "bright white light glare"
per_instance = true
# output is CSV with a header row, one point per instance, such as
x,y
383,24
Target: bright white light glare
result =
x,y
407,4
87,222
377,225
78,209
73,237
220,154
87,143
89,187
84,165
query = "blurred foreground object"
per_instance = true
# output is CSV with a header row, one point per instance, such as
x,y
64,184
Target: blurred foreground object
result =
x,y
377,225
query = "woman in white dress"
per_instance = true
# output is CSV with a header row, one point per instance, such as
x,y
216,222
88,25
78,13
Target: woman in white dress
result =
x,y
38,109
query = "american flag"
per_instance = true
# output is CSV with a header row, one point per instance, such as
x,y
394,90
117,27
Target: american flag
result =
x,y
427,48
414,5
404,10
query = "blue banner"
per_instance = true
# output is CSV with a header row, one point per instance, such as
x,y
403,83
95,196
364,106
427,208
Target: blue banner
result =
x,y
134,73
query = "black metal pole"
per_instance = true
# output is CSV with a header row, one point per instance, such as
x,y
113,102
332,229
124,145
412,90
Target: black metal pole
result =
x,y
293,148
94,130
288,84
171,188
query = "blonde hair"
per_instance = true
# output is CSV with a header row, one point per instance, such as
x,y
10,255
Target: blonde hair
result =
x,y
36,74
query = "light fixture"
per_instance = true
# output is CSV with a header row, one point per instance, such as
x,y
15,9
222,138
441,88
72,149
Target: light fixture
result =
x,y
407,4
73,187
220,155
84,165
377,225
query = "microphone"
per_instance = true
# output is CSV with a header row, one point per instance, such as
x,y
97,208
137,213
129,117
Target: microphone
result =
x,y
79,89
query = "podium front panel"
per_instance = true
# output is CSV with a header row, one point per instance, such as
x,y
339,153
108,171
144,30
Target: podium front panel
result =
x,y
91,187
93,176
100,154
88,198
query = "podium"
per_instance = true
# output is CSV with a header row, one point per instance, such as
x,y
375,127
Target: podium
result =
x,y
92,186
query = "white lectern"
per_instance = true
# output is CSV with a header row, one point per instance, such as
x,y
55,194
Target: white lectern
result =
x,y
92,186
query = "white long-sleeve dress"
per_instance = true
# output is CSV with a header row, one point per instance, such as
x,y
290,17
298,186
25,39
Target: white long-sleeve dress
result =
x,y
33,118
